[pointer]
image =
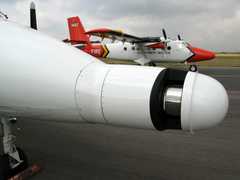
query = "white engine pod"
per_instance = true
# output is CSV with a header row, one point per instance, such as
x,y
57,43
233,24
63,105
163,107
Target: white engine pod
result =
x,y
204,102
126,95
152,98
88,92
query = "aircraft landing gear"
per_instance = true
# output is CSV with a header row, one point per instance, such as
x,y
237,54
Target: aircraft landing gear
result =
x,y
152,64
13,161
193,68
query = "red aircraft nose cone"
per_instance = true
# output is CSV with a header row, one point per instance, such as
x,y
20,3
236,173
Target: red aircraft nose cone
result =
x,y
201,54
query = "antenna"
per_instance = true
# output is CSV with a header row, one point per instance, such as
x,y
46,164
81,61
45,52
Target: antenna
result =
x,y
33,18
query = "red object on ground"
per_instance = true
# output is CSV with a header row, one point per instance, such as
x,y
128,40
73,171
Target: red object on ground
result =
x,y
32,170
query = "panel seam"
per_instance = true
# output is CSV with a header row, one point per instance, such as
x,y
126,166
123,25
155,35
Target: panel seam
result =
x,y
101,101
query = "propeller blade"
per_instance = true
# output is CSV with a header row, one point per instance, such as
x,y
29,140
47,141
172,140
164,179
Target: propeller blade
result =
x,y
33,18
3,15
179,37
164,34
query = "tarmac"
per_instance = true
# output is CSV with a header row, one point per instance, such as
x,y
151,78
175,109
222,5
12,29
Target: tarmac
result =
x,y
98,152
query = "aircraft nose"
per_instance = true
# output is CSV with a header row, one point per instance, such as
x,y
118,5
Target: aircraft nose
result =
x,y
200,54
204,102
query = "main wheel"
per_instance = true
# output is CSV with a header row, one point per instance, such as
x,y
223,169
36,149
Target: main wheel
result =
x,y
193,68
152,64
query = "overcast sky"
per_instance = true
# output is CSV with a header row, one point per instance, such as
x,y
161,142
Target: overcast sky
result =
x,y
211,24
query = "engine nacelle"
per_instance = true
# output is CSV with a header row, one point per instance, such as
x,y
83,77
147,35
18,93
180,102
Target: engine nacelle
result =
x,y
153,98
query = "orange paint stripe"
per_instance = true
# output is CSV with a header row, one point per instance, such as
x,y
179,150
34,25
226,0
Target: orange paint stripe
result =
x,y
106,51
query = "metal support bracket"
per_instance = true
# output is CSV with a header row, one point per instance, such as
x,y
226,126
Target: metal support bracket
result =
x,y
9,142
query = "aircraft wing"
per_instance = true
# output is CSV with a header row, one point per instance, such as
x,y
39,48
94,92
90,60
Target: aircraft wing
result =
x,y
121,36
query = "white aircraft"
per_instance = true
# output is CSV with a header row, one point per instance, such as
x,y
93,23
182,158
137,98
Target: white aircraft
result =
x,y
142,50
45,79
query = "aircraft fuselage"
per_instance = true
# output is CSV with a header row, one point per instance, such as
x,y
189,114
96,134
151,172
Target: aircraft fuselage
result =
x,y
175,52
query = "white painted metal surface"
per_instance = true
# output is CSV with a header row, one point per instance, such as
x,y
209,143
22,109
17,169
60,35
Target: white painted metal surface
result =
x,y
204,102
127,51
89,92
38,74
126,95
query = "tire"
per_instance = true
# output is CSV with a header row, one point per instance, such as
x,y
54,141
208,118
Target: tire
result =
x,y
152,64
193,68
21,167
4,167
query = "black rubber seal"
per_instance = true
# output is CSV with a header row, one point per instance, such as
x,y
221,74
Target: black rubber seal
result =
x,y
166,78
